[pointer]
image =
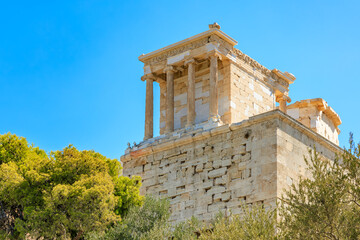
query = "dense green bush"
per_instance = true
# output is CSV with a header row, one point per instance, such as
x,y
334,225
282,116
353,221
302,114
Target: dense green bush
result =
x,y
151,221
254,223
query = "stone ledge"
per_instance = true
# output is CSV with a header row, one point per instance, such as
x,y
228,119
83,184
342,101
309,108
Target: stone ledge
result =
x,y
187,135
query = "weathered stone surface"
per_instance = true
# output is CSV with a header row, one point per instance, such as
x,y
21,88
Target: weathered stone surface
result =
x,y
217,173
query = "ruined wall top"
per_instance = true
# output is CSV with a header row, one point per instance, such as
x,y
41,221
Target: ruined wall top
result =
x,y
317,115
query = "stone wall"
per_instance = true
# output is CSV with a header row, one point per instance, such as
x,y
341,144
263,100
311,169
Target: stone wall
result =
x,y
293,144
249,94
327,129
204,171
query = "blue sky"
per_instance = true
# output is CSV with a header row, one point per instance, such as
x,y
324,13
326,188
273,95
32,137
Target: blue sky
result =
x,y
69,72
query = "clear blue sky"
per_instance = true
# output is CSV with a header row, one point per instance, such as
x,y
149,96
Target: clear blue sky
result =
x,y
69,71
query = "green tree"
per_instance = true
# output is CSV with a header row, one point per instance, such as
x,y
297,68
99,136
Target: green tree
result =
x,y
63,195
23,178
149,222
127,194
325,206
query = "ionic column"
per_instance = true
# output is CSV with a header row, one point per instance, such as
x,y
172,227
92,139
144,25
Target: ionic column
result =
x,y
191,93
169,123
282,100
149,108
213,109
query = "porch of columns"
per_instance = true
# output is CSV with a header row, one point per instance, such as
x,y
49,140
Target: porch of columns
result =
x,y
191,114
213,108
169,122
149,106
282,100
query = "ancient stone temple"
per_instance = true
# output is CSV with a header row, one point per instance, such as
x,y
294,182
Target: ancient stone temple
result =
x,y
227,134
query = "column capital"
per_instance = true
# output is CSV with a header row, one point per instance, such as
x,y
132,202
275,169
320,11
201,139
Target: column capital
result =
x,y
190,60
283,97
169,68
214,53
148,76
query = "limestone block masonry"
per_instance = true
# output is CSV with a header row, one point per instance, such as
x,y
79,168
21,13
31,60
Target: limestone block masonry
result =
x,y
203,172
223,141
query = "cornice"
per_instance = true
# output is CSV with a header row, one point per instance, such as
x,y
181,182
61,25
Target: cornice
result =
x,y
251,62
188,44
283,79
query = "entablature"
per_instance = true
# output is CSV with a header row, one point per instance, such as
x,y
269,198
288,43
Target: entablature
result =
x,y
214,34
199,46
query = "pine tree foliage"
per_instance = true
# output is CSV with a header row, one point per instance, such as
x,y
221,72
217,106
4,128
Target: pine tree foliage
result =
x,y
61,195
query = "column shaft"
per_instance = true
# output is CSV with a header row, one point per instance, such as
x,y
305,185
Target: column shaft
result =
x,y
213,109
191,94
169,127
149,110
282,105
